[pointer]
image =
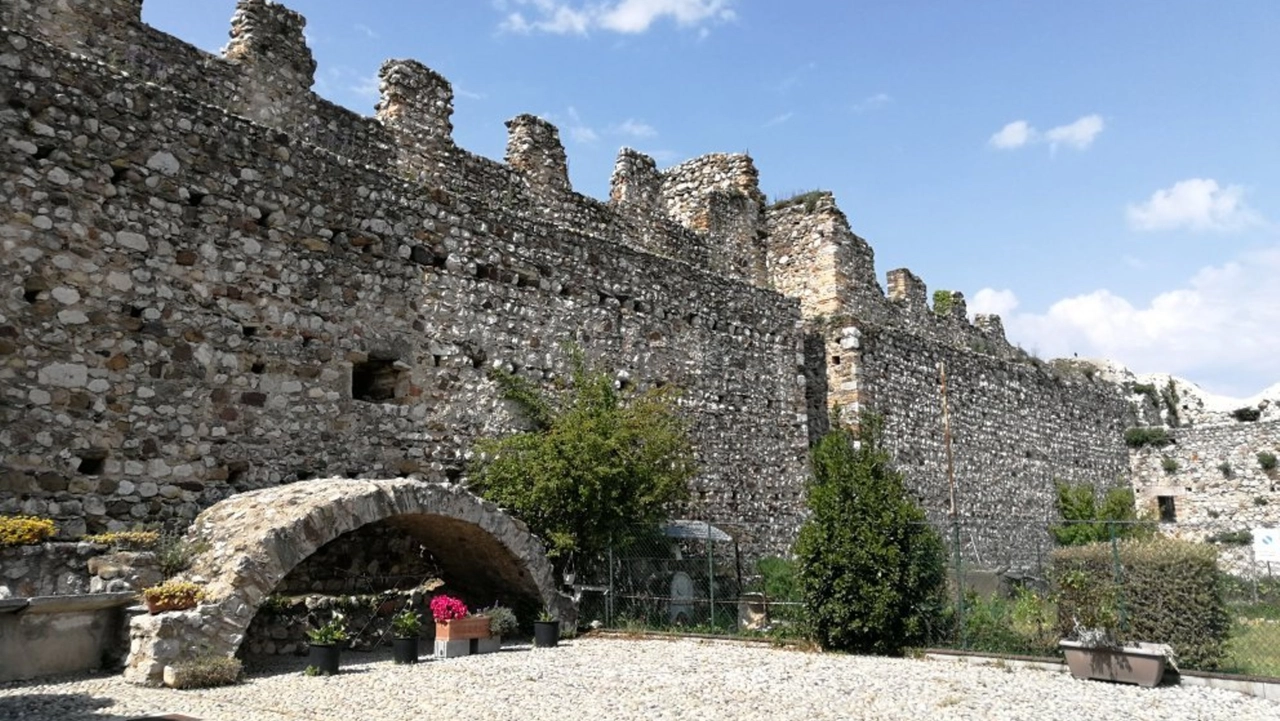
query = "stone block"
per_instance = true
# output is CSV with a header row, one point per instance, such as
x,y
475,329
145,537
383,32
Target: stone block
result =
x,y
453,649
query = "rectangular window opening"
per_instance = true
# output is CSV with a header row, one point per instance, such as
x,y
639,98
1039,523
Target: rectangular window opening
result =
x,y
1168,511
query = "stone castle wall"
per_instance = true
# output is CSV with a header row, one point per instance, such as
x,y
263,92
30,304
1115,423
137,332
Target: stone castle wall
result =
x,y
1213,476
1018,426
215,281
198,303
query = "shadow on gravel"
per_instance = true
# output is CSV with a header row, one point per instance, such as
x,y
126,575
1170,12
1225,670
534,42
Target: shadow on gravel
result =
x,y
57,707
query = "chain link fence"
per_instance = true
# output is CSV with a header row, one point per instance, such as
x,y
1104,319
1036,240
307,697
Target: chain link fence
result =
x,y
692,577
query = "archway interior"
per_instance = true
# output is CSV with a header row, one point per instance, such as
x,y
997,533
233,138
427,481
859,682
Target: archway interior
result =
x,y
375,570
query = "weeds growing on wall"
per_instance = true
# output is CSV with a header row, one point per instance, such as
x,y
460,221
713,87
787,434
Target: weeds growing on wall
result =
x,y
1140,436
25,530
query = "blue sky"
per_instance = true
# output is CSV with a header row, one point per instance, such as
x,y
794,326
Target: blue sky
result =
x,y
1105,175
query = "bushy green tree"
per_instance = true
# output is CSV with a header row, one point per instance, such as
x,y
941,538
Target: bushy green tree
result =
x,y
871,569
596,466
1085,521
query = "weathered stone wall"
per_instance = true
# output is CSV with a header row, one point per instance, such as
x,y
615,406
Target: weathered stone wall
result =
x,y
1213,476
46,569
1016,428
194,304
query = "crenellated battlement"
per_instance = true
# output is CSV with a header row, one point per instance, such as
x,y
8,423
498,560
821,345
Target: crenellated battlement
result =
x,y
217,280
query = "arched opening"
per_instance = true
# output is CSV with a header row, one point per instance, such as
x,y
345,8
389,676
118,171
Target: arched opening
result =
x,y
256,540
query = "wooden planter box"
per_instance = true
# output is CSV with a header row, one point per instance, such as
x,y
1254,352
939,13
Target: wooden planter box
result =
x,y
462,629
1124,664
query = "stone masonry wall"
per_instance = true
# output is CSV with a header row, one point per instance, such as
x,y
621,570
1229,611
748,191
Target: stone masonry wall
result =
x,y
1214,477
1016,429
195,304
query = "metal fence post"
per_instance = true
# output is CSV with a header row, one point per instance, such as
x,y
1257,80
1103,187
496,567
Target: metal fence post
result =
x,y
711,575
608,599
955,559
1116,575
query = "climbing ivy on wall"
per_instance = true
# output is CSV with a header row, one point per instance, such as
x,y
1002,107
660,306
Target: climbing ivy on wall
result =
x,y
943,301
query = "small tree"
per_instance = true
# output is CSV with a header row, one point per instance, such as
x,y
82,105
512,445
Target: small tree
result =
x,y
1084,521
597,466
872,570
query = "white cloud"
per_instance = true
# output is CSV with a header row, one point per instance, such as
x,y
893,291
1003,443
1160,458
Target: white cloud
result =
x,y
1219,328
1079,134
620,16
779,119
634,129
580,131
989,300
1198,204
365,30
873,102
1014,135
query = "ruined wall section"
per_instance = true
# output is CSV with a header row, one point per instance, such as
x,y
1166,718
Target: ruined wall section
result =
x,y
1213,476
194,304
1016,429
718,197
266,74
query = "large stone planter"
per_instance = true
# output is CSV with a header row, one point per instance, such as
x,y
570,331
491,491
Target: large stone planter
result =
x,y
1140,665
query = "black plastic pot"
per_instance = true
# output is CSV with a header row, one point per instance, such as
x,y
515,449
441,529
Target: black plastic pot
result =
x,y
546,634
405,650
325,658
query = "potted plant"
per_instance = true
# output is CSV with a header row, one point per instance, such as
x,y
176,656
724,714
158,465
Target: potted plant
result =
x,y
546,630
1096,652
172,596
326,644
502,621
405,627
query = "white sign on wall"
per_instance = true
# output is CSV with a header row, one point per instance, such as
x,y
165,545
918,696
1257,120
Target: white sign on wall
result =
x,y
1266,544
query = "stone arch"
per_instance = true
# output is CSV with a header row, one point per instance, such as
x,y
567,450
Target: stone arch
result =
x,y
252,540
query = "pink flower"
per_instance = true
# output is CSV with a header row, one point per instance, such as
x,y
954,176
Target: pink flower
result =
x,y
447,608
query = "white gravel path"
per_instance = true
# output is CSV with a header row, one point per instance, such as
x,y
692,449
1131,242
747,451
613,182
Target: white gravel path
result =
x,y
613,678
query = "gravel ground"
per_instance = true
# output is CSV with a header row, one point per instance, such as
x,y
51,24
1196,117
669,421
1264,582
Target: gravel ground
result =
x,y
634,679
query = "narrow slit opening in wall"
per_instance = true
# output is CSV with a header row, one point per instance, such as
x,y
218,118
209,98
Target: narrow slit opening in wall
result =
x,y
375,380
1168,509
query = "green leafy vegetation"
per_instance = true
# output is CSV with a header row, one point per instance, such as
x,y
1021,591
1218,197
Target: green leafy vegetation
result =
x,y
24,530
1160,590
871,569
1085,520
1169,394
1024,625
808,199
600,465
1231,538
1246,414
943,301
1267,461
1169,465
1140,436
1148,390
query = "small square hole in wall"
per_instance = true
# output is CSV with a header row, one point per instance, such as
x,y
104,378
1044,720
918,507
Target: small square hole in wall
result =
x,y
376,380
91,462
1168,511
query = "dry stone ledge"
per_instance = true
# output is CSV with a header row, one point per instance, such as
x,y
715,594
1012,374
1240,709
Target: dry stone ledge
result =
x,y
254,539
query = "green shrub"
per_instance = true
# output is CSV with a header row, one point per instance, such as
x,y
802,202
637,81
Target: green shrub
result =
x,y
1225,469
1267,461
872,570
943,301
24,530
502,620
1231,538
1140,436
1246,414
1169,591
1084,521
1169,465
779,578
1024,625
208,672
